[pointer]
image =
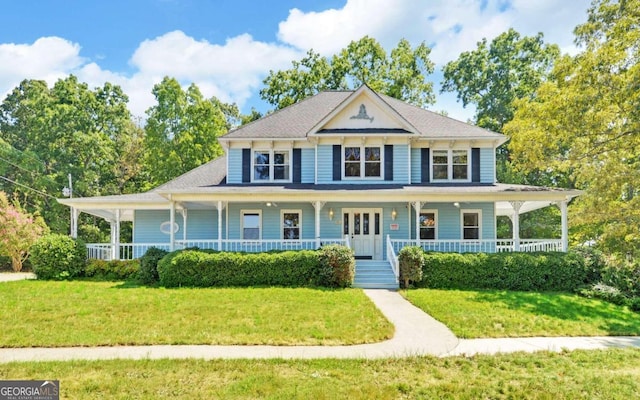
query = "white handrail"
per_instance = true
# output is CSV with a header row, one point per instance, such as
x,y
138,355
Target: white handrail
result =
x,y
393,259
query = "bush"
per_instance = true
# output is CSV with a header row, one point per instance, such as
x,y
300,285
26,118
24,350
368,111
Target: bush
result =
x,y
411,260
148,273
338,266
594,262
504,271
604,292
623,275
114,270
58,257
201,269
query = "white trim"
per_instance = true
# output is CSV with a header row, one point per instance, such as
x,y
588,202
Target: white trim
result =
x,y
470,211
435,218
242,214
290,211
271,165
449,165
362,163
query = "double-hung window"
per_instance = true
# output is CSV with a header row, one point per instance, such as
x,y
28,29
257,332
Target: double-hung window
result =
x,y
251,224
450,165
271,165
291,224
471,224
362,162
428,224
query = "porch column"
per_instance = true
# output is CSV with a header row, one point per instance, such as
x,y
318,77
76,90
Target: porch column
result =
x,y
515,220
115,236
317,205
417,206
565,225
112,241
184,224
220,208
172,221
75,213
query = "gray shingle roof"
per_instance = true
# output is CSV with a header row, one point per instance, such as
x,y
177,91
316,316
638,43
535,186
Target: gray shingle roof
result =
x,y
209,174
297,120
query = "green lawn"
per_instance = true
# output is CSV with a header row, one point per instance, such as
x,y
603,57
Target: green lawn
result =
x,y
598,374
52,314
480,314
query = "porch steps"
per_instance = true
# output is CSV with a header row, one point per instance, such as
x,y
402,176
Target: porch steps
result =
x,y
374,274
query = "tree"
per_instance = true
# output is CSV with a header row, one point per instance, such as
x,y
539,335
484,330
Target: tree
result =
x,y
585,122
400,74
182,131
19,230
48,133
494,75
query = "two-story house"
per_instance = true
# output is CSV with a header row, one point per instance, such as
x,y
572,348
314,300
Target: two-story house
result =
x,y
352,167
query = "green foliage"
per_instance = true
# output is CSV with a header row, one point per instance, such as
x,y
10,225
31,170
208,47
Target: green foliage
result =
x,y
411,260
338,265
19,230
58,257
506,271
401,74
584,122
199,269
182,131
114,270
149,265
624,275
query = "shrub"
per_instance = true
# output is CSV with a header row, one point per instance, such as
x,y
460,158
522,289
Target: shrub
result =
x,y
338,266
202,269
114,270
504,271
148,273
594,262
623,275
58,257
604,292
411,260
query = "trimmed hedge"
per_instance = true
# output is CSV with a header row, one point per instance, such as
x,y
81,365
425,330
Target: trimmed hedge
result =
x,y
329,266
411,261
505,271
148,273
58,257
200,269
114,270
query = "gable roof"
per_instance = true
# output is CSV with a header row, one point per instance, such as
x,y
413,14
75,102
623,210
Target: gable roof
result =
x,y
299,120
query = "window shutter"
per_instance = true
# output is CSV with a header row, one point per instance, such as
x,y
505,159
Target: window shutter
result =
x,y
246,165
424,165
337,162
297,165
475,164
388,162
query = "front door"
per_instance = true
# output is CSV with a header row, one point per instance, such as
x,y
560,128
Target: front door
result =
x,y
363,227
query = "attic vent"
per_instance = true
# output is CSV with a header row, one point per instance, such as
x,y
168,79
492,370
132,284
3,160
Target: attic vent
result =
x,y
362,114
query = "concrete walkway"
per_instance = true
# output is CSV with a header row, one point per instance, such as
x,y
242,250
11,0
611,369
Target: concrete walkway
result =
x,y
416,333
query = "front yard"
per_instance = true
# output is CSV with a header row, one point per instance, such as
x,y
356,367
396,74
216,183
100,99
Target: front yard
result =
x,y
497,313
600,374
55,314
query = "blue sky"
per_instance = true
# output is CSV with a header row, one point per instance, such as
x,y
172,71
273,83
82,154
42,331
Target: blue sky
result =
x,y
228,47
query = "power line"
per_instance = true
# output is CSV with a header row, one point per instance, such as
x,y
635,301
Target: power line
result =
x,y
30,171
25,186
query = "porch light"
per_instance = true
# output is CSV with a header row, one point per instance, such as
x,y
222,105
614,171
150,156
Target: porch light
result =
x,y
270,204
331,214
394,214
456,204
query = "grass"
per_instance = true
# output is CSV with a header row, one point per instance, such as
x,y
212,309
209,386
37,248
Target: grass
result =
x,y
601,374
491,313
54,314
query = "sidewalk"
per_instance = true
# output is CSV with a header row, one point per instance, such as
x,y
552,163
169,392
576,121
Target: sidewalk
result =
x,y
416,334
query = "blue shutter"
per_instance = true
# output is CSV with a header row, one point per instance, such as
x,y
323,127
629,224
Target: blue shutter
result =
x,y
337,162
246,165
424,165
388,162
475,164
297,165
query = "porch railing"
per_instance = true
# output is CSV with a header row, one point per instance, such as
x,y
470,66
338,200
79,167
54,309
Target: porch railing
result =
x,y
393,259
480,246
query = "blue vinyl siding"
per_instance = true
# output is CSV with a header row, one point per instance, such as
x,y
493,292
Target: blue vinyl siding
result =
x,y
234,173
486,165
325,162
308,165
401,164
201,224
271,219
449,224
416,163
146,226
